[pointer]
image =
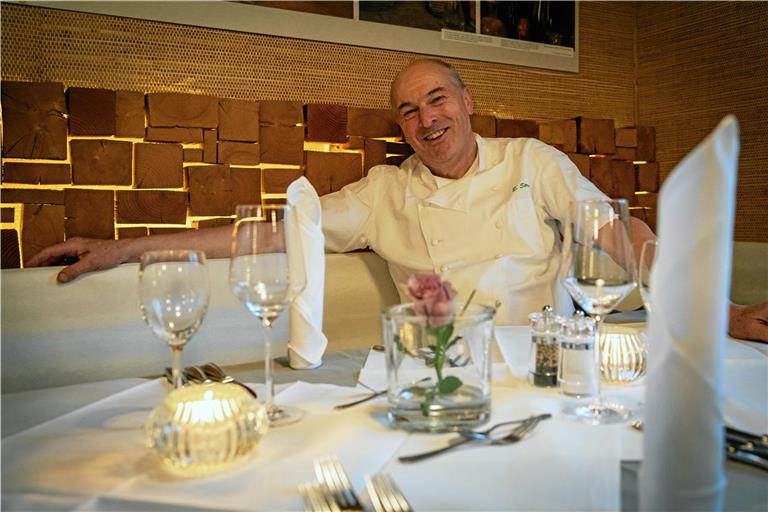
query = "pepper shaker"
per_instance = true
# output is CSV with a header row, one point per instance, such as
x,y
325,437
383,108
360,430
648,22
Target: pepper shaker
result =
x,y
544,355
578,374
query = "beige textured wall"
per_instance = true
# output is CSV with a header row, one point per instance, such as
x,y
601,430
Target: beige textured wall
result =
x,y
698,62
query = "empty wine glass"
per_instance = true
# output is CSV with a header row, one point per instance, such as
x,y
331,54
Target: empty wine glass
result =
x,y
647,256
174,293
598,270
259,276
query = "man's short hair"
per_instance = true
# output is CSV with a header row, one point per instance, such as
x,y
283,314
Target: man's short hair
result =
x,y
452,73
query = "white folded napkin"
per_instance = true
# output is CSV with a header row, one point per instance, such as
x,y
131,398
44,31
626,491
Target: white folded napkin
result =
x,y
307,342
683,441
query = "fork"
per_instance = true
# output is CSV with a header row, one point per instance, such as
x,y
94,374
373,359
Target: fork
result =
x,y
385,495
331,473
317,498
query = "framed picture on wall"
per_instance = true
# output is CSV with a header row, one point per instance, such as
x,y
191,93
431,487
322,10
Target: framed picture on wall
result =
x,y
542,33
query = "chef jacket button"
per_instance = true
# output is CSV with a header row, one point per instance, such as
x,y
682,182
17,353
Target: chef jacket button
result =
x,y
499,224
444,268
363,241
436,241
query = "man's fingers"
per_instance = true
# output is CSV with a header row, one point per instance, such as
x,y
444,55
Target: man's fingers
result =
x,y
74,270
51,255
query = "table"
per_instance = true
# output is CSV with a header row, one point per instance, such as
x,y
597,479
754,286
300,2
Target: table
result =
x,y
88,455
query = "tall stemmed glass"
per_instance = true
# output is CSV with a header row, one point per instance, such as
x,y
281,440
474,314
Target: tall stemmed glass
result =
x,y
647,256
598,270
259,276
174,293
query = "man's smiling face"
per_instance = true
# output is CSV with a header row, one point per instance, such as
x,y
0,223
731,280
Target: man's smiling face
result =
x,y
433,110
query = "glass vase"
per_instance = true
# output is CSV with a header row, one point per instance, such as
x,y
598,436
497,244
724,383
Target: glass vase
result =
x,y
438,368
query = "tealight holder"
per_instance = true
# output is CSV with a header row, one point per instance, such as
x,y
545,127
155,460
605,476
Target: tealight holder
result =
x,y
623,353
200,429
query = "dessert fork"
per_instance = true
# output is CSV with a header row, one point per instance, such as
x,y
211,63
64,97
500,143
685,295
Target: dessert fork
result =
x,y
330,473
385,495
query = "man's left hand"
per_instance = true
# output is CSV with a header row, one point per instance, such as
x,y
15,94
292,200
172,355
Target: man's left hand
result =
x,y
749,322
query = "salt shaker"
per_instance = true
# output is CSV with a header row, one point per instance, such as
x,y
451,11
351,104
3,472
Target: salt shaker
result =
x,y
544,354
578,374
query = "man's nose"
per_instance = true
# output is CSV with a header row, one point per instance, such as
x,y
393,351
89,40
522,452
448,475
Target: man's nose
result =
x,y
426,117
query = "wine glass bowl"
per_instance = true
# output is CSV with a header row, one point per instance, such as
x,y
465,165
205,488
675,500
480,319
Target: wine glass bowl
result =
x,y
260,277
174,293
598,270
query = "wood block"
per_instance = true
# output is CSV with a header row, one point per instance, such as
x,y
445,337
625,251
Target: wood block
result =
x,y
561,132
281,113
646,199
647,177
326,123
600,174
168,231
282,144
239,120
43,226
34,125
151,207
36,173
629,154
623,179
399,148
193,154
7,214
396,160
212,223
136,232
375,153
276,181
209,146
517,128
32,196
582,162
353,142
329,172
246,187
372,123
595,136
174,134
244,153
129,114
101,162
171,109
158,165
89,213
485,126
626,137
210,190
91,111
9,257
646,143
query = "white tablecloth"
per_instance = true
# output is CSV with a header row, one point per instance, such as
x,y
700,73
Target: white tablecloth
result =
x,y
94,459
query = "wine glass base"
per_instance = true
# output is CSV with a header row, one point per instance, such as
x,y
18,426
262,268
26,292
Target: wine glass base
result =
x,y
281,415
597,413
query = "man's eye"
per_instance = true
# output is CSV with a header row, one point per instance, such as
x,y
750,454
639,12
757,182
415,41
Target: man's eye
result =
x,y
438,99
409,113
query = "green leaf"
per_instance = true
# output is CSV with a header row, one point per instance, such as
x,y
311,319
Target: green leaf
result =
x,y
449,384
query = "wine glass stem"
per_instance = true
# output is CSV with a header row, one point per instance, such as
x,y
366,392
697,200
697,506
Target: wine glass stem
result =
x,y
176,367
597,401
268,379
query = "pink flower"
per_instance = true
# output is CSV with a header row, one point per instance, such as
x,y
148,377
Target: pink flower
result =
x,y
432,297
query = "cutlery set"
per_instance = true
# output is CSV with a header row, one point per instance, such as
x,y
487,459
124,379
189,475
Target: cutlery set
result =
x,y
333,491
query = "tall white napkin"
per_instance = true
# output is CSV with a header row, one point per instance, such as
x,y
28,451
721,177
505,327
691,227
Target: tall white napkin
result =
x,y
683,441
307,342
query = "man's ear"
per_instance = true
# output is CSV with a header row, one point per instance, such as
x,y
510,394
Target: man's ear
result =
x,y
468,101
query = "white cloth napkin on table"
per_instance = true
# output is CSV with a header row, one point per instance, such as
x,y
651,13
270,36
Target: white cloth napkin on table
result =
x,y
683,441
307,342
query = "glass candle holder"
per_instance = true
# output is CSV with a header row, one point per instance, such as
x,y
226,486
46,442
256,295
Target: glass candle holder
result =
x,y
623,353
200,429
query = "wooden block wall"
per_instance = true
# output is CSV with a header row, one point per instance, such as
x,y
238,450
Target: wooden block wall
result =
x,y
117,164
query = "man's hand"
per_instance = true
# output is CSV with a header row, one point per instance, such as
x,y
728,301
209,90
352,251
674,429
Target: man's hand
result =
x,y
92,254
749,322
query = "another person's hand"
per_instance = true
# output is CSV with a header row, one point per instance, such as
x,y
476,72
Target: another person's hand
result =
x,y
92,255
749,322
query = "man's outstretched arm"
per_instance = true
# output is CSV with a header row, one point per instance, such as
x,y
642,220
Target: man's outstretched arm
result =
x,y
96,254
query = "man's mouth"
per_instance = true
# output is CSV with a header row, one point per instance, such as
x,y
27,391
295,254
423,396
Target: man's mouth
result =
x,y
435,135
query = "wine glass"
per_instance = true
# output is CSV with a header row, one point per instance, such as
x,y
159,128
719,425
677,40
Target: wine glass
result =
x,y
598,270
647,256
174,293
259,275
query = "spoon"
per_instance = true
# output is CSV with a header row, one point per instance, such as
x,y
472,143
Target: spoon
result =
x,y
215,373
